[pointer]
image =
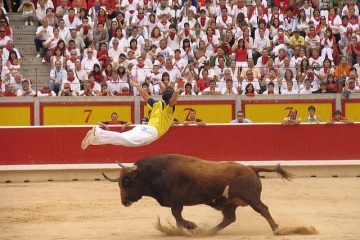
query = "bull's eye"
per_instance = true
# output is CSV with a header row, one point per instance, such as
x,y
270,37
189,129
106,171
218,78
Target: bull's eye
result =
x,y
126,182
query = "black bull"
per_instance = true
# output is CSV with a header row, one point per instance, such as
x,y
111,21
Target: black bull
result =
x,y
176,181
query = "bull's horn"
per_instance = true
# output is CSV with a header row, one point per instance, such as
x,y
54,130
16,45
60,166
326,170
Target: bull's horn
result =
x,y
110,179
132,168
122,165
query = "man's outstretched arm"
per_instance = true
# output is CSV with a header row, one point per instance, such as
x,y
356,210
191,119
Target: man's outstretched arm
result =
x,y
141,91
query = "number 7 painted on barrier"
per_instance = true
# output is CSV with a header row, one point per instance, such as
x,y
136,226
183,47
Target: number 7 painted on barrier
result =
x,y
88,116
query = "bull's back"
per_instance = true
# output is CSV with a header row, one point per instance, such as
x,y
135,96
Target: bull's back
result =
x,y
176,169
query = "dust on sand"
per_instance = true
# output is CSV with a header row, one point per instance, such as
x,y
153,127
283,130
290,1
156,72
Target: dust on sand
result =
x,y
92,210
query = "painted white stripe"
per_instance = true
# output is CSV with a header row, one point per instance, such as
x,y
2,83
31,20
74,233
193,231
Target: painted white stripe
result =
x,y
115,166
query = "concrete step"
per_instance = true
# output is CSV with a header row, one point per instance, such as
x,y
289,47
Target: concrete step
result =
x,y
36,71
31,60
24,39
26,49
39,66
39,78
15,17
21,29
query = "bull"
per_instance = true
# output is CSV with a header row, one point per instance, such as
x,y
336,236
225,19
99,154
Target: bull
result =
x,y
176,181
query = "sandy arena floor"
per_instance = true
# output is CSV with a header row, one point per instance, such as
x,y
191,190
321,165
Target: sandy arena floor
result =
x,y
92,210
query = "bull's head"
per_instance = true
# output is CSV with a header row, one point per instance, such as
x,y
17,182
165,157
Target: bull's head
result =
x,y
130,186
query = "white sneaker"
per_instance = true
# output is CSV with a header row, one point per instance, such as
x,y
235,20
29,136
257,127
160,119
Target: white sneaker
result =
x,y
89,138
31,23
43,60
26,23
38,55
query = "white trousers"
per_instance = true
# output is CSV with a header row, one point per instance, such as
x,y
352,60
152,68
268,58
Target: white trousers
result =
x,y
138,136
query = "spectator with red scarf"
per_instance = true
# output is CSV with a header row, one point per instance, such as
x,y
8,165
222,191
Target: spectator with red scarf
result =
x,y
98,75
9,91
102,55
203,82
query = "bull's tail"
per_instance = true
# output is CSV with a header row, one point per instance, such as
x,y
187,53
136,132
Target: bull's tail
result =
x,y
278,169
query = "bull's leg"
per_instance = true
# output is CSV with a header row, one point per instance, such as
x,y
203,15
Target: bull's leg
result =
x,y
261,208
180,221
229,217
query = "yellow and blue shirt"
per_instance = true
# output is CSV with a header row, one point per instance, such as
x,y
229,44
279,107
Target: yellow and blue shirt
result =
x,y
162,115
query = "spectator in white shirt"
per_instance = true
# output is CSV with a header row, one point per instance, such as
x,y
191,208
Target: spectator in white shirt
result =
x,y
307,87
88,63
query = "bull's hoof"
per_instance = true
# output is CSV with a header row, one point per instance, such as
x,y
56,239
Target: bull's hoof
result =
x,y
189,225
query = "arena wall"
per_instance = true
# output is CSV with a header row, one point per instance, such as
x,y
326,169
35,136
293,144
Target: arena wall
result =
x,y
212,109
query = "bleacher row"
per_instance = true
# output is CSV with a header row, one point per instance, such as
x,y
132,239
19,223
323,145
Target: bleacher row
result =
x,y
204,47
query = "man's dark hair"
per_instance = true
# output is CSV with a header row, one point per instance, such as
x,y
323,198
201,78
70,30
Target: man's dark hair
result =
x,y
167,94
311,107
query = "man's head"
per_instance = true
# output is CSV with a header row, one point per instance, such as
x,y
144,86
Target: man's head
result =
x,y
192,114
271,86
114,116
25,85
337,115
240,116
167,94
58,65
188,87
311,110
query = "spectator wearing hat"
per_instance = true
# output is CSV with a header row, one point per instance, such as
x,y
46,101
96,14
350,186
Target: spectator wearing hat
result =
x,y
45,91
66,91
25,90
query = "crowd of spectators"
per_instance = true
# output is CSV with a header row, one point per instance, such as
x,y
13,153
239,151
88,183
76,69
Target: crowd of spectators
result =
x,y
207,47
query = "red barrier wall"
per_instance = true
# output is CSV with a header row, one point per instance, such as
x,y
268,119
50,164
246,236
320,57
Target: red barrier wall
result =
x,y
61,145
